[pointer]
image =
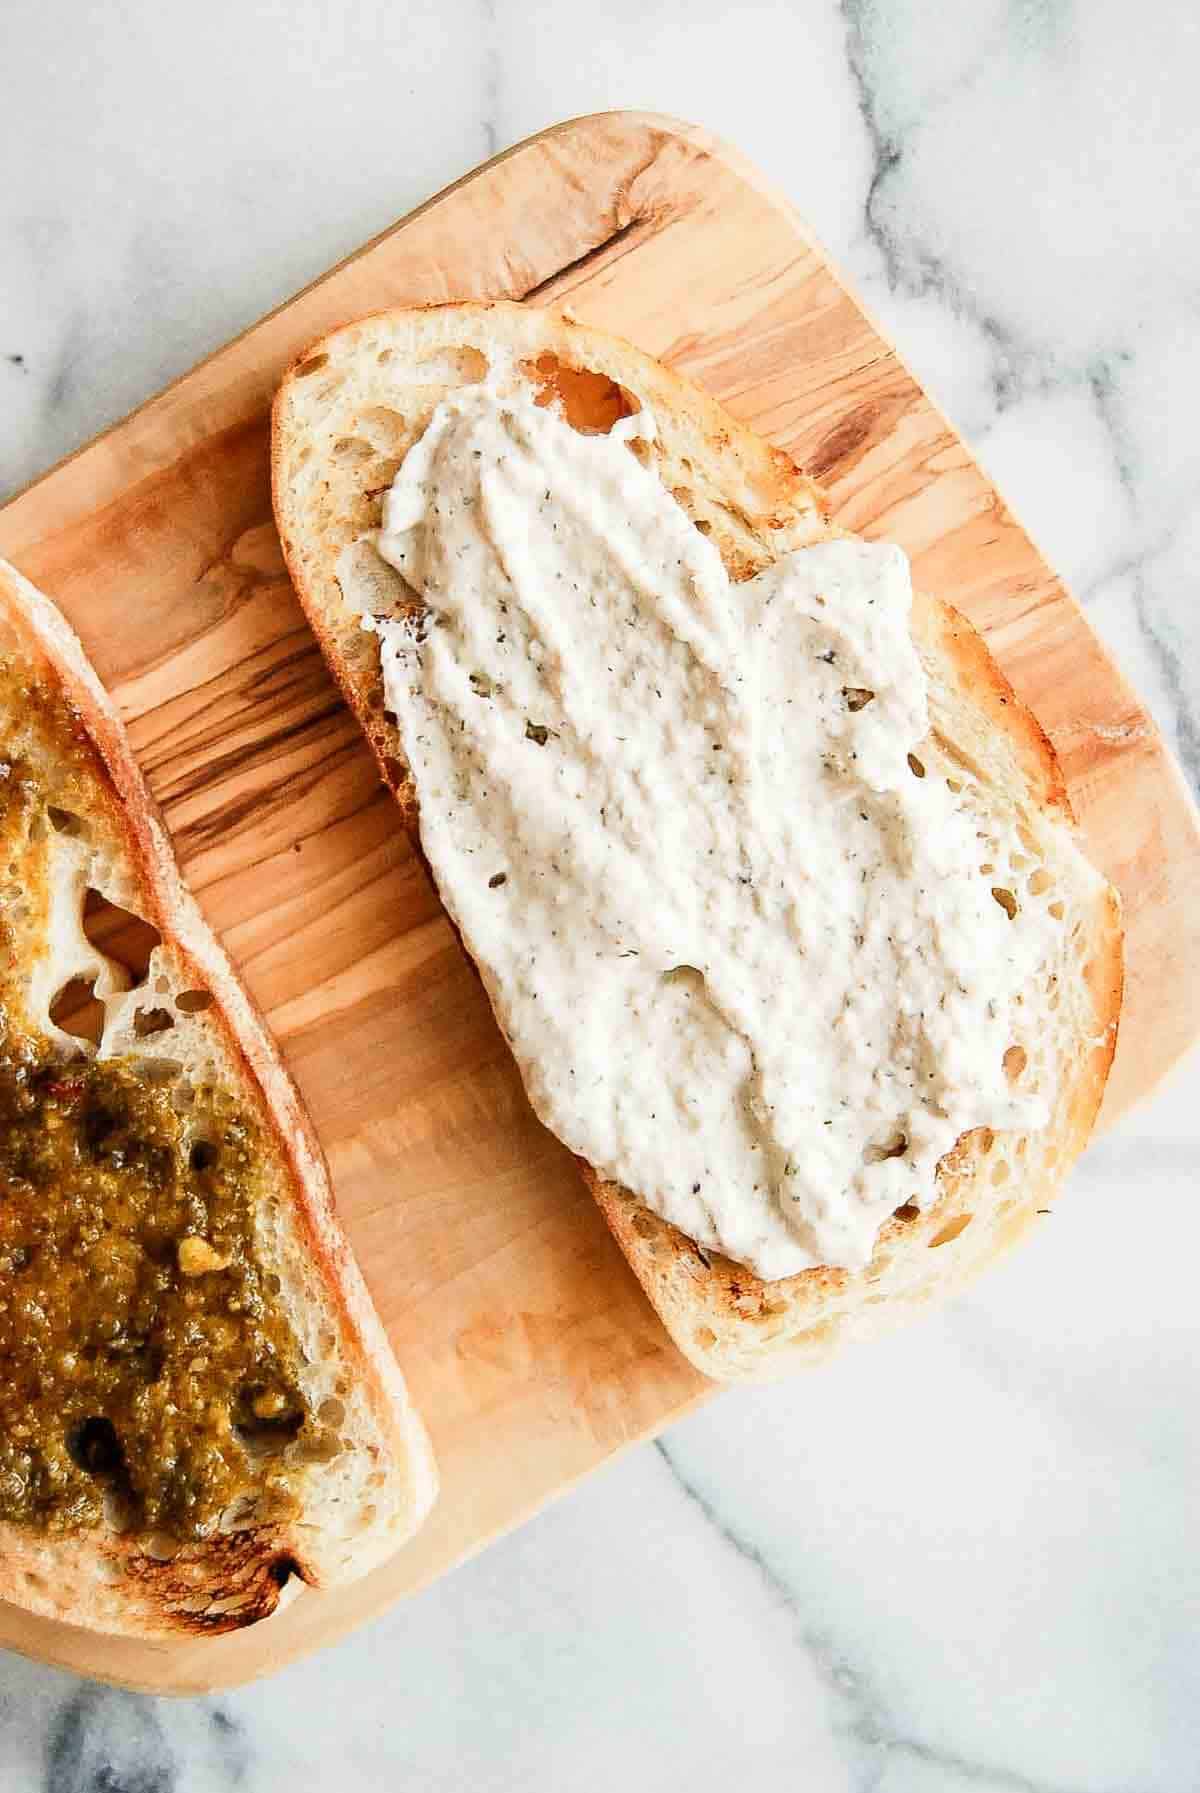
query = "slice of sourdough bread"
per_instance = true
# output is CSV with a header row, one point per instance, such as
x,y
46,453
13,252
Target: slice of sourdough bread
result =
x,y
346,414
166,1223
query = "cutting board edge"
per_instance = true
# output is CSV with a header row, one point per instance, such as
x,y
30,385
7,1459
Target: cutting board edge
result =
x,y
677,127
182,1650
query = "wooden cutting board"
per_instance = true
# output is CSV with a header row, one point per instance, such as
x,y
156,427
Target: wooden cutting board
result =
x,y
527,1342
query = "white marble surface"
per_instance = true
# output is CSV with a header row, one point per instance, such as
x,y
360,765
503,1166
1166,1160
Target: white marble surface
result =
x,y
965,1559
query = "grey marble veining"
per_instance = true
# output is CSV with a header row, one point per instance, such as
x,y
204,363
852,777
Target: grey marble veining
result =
x,y
1090,319
964,1560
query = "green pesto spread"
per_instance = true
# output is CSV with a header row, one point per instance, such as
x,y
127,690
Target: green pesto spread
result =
x,y
147,1373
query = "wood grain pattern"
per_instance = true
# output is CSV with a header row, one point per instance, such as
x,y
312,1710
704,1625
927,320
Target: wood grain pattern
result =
x,y
526,1340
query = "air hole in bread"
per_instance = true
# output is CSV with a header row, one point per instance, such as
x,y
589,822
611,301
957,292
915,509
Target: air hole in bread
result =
x,y
369,585
388,431
1055,909
916,766
203,1155
93,1444
120,935
987,1140
857,697
455,365
1006,900
909,1211
1041,880
148,1022
683,974
77,1010
313,365
703,525
1015,1060
351,451
951,1230
705,1337
284,1567
191,1002
65,821
266,1417
590,402
895,1147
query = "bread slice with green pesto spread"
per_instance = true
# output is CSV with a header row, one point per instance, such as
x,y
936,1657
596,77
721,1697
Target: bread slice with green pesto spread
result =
x,y
197,1399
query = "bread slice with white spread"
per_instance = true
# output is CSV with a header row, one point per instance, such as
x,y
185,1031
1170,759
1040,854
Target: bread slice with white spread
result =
x,y
197,1399
771,880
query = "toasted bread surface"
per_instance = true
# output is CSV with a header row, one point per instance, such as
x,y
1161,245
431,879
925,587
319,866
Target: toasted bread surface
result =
x,y
346,414
322,1498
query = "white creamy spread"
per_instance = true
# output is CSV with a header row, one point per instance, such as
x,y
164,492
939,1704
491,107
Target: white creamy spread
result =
x,y
744,952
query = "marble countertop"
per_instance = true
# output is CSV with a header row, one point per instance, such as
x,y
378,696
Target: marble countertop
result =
x,y
964,1559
